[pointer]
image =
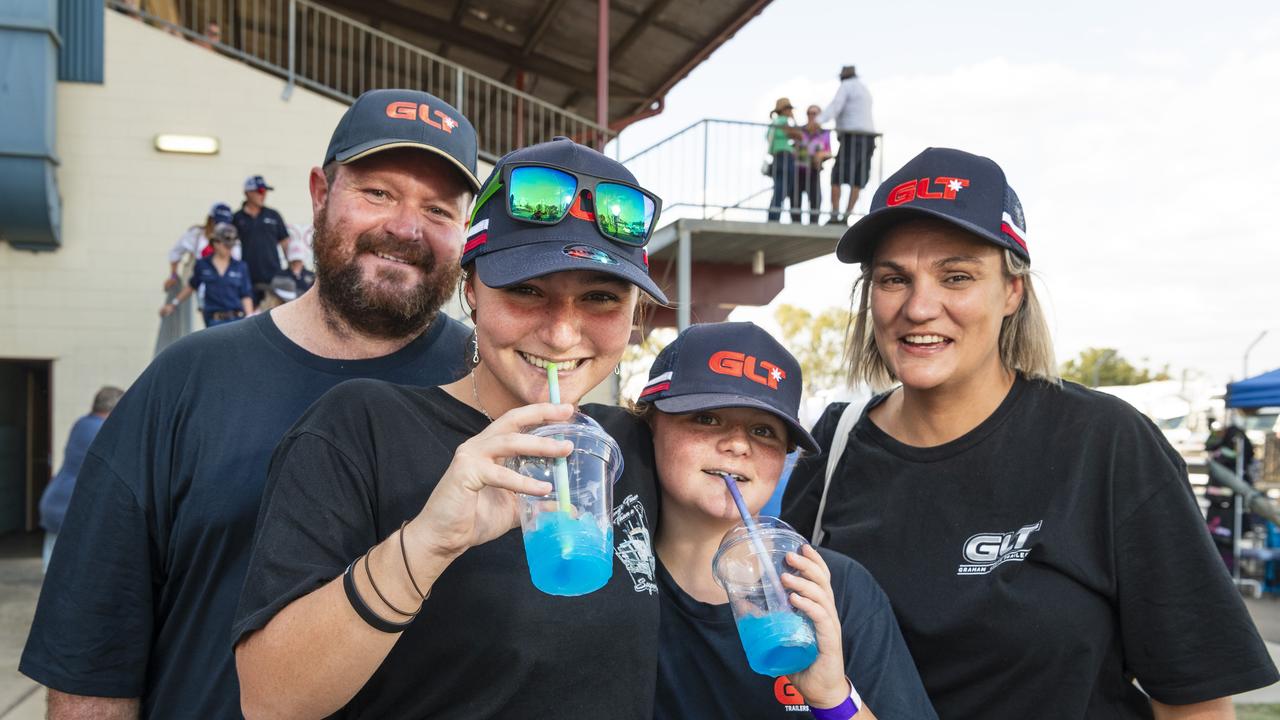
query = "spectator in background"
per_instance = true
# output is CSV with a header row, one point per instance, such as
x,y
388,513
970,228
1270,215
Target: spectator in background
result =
x,y
812,150
302,278
782,136
195,243
263,233
56,497
1226,446
283,289
223,281
851,109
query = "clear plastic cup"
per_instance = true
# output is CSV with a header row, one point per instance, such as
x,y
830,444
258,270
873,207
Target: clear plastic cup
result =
x,y
777,638
568,541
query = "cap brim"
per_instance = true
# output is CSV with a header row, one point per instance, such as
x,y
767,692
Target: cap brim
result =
x,y
376,146
858,242
285,294
693,402
509,266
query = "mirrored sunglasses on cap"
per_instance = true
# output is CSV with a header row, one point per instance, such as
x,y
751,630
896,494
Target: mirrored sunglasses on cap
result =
x,y
546,194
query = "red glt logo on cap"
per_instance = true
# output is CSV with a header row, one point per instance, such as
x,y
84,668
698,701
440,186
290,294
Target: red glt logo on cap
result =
x,y
736,364
920,190
406,110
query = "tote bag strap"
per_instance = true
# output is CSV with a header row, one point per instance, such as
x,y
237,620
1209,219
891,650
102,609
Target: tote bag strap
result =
x,y
848,419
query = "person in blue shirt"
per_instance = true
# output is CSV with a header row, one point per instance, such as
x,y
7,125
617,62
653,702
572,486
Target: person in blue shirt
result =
x,y
56,497
228,294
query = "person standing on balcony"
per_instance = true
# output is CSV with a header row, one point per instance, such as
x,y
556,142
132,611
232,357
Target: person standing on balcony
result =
x,y
135,614
263,233
812,150
782,137
851,109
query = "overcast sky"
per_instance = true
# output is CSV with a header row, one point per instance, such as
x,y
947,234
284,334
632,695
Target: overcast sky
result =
x,y
1143,140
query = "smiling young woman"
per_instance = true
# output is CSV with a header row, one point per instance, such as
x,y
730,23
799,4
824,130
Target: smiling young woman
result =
x,y
1039,541
390,508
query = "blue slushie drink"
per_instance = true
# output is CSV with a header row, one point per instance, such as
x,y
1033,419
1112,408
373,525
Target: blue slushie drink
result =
x,y
777,638
568,535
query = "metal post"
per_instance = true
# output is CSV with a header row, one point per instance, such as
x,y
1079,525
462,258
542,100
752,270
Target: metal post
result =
x,y
293,40
457,89
706,131
1248,350
684,276
1238,514
602,71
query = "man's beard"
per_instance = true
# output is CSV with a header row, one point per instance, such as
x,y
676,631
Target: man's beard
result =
x,y
368,305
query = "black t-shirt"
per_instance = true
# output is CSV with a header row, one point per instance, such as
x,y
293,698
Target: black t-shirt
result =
x,y
703,671
148,566
1041,561
260,238
486,644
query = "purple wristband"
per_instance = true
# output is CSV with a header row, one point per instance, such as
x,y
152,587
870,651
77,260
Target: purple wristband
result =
x,y
843,711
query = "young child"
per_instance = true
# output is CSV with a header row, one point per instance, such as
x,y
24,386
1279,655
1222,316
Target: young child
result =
x,y
723,398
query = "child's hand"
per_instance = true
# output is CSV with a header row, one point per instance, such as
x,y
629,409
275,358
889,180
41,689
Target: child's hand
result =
x,y
823,683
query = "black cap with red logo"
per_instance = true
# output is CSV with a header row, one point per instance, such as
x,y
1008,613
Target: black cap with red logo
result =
x,y
507,251
384,119
966,190
725,365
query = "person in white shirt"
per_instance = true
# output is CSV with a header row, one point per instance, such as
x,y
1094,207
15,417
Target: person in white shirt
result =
x,y
851,110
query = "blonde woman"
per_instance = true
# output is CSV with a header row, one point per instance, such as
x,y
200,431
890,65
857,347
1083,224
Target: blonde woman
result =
x,y
1039,541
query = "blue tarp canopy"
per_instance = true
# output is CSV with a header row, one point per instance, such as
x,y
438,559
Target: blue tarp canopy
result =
x,y
1255,392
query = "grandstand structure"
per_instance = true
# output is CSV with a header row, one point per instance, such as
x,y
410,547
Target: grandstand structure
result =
x,y
90,204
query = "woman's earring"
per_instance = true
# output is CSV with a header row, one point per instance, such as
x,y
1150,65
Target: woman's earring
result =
x,y
617,369
475,348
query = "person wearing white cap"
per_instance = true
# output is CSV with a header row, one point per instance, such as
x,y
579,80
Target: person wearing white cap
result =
x,y
296,256
263,233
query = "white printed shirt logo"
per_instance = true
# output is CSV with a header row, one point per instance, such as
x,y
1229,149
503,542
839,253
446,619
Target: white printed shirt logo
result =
x,y
986,551
631,527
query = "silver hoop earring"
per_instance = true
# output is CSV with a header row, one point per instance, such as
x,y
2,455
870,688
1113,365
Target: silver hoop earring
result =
x,y
617,369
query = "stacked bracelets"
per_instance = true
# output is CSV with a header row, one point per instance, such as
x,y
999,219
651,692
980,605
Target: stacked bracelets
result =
x,y
362,608
844,710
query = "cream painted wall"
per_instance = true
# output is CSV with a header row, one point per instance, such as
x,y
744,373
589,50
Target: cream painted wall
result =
x,y
92,305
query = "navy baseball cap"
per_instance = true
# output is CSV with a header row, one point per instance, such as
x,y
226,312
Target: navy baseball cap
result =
x,y
725,365
221,213
255,183
507,251
384,119
968,191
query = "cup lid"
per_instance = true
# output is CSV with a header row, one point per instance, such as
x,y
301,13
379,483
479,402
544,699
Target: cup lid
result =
x,y
769,527
580,426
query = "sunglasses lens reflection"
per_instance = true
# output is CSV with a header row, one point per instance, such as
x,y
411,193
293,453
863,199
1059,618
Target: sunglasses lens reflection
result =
x,y
541,194
624,213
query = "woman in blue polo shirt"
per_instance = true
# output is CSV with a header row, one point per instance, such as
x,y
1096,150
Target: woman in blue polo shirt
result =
x,y
228,294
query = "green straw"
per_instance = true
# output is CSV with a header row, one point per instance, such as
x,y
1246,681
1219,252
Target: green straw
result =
x,y
561,469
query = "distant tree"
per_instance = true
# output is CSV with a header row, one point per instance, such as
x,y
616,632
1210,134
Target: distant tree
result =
x,y
817,341
1104,366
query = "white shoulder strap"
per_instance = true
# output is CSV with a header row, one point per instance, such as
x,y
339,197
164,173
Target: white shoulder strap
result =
x,y
848,419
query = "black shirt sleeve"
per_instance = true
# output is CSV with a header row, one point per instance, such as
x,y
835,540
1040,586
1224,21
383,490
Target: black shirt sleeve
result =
x,y
93,625
1180,614
804,489
317,515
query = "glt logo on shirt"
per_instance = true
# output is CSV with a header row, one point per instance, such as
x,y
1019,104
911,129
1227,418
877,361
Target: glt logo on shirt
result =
x,y
788,696
986,551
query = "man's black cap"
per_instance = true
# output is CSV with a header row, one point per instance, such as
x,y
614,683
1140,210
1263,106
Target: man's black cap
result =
x,y
384,119
507,251
968,191
724,365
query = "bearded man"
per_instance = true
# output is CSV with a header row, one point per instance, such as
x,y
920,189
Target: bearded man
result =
x,y
134,618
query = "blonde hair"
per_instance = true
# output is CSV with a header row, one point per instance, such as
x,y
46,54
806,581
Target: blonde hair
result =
x,y
1025,343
